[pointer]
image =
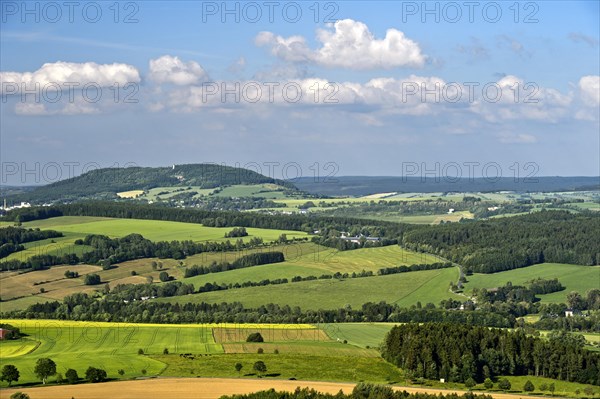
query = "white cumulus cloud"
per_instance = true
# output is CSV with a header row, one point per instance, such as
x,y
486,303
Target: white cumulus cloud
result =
x,y
169,69
589,87
60,75
347,44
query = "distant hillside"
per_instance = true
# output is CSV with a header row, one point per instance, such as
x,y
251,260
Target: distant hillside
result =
x,y
365,185
105,183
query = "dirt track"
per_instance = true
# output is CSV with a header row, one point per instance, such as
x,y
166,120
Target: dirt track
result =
x,y
190,388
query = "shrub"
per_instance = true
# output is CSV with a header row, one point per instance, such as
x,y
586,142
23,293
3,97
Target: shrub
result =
x,y
255,337
504,384
528,387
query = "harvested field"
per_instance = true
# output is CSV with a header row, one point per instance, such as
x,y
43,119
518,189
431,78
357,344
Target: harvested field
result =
x,y
193,388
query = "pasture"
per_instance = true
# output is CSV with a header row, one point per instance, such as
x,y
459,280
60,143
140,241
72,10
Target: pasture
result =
x,y
359,334
305,259
311,367
404,289
153,230
573,277
269,191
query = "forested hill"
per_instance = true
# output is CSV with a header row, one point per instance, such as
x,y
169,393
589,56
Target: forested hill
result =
x,y
495,245
105,183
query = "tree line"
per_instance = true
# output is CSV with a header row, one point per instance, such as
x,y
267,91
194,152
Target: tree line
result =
x,y
112,307
129,210
459,352
518,293
360,391
12,238
254,259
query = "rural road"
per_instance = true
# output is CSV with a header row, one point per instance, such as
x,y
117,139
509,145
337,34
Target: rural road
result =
x,y
193,388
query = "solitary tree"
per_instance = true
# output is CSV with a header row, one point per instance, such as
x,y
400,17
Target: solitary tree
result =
x,y
260,367
528,387
504,384
164,276
121,372
44,368
166,351
238,367
72,376
9,374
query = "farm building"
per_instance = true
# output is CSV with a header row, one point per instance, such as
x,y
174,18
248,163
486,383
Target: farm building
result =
x,y
357,239
4,333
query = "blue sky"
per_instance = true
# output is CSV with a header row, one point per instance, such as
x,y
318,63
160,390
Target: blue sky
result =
x,y
394,71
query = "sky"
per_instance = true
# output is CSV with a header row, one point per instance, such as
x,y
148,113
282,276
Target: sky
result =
x,y
380,88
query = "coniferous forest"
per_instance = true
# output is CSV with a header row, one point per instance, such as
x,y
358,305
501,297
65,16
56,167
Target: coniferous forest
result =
x,y
458,353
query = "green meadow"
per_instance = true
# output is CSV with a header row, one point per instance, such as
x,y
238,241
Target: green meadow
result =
x,y
404,289
154,230
573,277
111,346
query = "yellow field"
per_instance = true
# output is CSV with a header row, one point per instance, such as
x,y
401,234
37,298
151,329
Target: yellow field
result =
x,y
130,194
27,323
18,348
199,388
379,196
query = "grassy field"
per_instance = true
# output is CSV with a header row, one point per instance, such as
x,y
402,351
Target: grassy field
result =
x,y
358,334
153,230
51,246
52,281
403,289
157,193
307,259
19,290
563,388
285,366
114,346
573,277
418,219
270,191
110,346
